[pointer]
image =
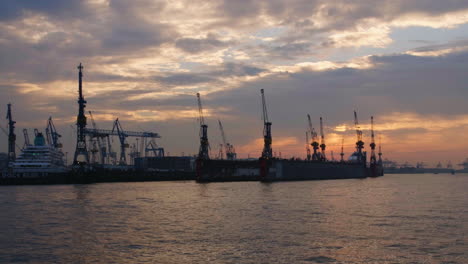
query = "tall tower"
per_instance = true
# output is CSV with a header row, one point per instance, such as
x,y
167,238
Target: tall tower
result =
x,y
203,152
267,152
11,135
81,154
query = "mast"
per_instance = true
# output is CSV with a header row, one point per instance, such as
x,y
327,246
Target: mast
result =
x,y
81,153
11,135
315,144
359,142
373,159
203,152
267,152
322,142
342,149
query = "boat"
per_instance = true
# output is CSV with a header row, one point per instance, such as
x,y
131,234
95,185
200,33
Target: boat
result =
x,y
39,160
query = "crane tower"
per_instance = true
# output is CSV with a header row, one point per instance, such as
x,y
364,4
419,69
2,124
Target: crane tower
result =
x,y
81,153
267,152
203,152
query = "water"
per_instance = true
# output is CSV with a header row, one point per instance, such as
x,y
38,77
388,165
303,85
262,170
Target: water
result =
x,y
393,219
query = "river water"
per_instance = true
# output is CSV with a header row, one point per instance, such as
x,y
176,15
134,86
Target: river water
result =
x,y
392,219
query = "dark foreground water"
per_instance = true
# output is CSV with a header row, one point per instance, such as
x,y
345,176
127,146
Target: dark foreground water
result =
x,y
393,219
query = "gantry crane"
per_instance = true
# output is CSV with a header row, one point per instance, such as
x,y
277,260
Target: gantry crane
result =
x,y
307,145
203,152
267,152
315,144
322,142
122,134
100,141
123,145
11,135
228,148
359,142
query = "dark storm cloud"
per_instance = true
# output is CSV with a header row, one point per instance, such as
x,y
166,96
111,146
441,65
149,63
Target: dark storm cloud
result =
x,y
12,9
192,45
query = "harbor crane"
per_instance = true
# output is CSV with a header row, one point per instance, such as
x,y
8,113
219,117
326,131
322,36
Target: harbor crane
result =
x,y
122,134
100,141
314,144
11,135
380,151
359,142
342,150
322,141
27,142
123,144
52,134
81,156
307,145
228,148
203,152
153,147
373,159
267,152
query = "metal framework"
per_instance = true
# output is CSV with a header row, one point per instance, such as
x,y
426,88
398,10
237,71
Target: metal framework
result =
x,y
81,156
267,152
314,144
11,135
203,152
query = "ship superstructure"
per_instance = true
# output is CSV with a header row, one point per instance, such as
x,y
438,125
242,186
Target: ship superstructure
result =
x,y
39,160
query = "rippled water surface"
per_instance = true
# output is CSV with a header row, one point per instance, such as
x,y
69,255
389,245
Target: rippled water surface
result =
x,y
392,219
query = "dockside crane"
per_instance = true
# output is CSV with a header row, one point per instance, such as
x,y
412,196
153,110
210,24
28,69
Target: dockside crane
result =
x,y
342,150
380,151
322,141
307,145
267,152
123,144
100,141
81,156
359,142
11,135
27,142
228,148
203,152
373,159
52,134
314,144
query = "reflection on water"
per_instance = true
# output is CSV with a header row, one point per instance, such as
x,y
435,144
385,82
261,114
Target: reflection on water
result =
x,y
393,219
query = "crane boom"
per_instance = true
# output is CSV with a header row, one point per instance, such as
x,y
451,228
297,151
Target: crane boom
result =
x,y
52,133
100,141
26,138
123,145
267,152
228,148
315,144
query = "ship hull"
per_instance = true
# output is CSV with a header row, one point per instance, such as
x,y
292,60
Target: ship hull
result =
x,y
277,170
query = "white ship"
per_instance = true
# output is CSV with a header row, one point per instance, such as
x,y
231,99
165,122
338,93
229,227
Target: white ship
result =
x,y
39,160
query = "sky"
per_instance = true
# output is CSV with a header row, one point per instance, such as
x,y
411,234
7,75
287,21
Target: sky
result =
x,y
403,62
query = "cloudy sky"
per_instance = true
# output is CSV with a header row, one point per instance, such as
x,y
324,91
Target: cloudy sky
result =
x,y
405,62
